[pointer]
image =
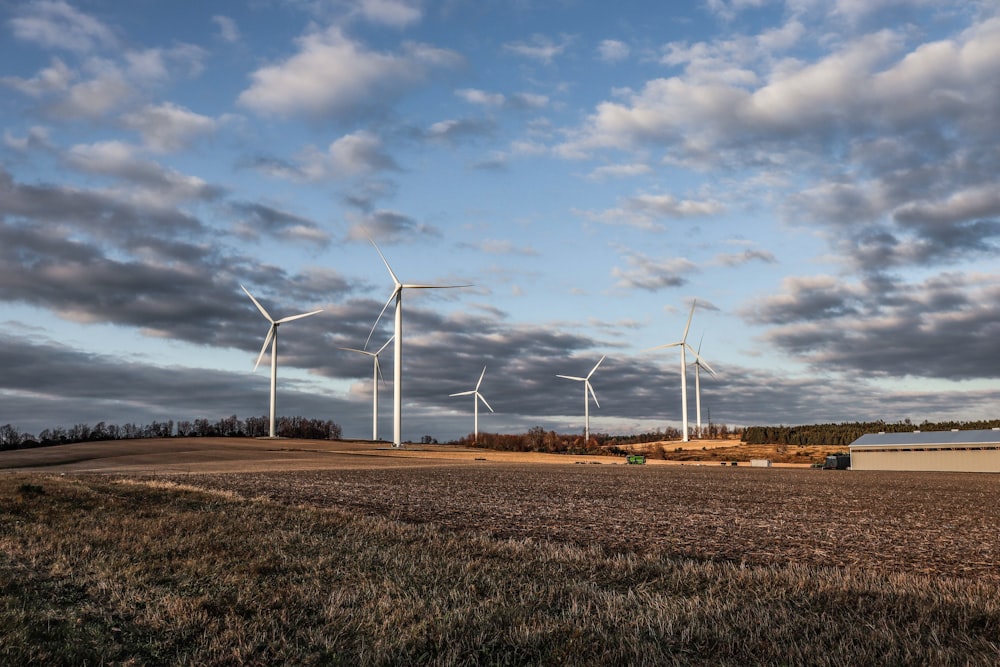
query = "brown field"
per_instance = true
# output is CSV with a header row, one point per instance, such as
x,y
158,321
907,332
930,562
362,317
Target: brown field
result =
x,y
926,523
231,552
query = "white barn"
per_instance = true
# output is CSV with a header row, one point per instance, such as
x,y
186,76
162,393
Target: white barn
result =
x,y
954,451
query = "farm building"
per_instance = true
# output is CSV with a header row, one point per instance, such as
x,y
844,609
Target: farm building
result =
x,y
956,451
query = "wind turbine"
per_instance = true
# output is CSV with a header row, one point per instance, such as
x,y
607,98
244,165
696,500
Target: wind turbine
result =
x,y
683,344
376,375
272,338
477,397
397,370
586,399
698,364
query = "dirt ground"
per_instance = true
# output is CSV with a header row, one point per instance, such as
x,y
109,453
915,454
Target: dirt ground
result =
x,y
938,524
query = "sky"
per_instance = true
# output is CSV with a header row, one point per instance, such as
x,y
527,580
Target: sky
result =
x,y
819,178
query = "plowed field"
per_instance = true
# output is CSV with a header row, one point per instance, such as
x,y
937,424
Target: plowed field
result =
x,y
918,523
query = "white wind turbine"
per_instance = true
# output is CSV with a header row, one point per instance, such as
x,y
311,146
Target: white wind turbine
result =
x,y
376,375
683,344
397,370
699,363
476,398
272,337
586,398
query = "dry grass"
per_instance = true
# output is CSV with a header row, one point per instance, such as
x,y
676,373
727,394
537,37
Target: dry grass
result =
x,y
93,571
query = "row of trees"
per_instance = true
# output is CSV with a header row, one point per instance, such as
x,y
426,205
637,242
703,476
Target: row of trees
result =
x,y
845,433
537,439
227,427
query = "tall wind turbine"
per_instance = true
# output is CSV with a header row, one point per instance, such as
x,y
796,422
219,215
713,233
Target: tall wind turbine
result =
x,y
397,370
476,398
376,375
272,338
699,363
683,344
586,399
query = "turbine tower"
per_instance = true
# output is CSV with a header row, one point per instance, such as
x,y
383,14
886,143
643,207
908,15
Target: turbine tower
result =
x,y
586,398
397,370
376,376
475,401
272,338
699,363
683,344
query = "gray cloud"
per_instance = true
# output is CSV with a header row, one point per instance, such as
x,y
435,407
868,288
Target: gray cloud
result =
x,y
257,219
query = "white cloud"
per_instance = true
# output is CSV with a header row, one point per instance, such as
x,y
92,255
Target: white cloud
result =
x,y
862,86
612,50
53,79
158,186
646,273
332,75
395,13
37,137
168,127
540,47
619,171
359,152
481,97
642,211
94,98
228,30
56,24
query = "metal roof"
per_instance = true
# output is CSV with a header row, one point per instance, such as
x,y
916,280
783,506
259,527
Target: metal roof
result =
x,y
985,437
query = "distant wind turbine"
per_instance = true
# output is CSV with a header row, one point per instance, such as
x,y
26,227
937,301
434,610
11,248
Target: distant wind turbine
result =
x,y
586,398
683,344
397,370
272,338
698,364
476,398
376,376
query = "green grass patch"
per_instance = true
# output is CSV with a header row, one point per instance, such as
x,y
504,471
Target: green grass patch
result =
x,y
94,571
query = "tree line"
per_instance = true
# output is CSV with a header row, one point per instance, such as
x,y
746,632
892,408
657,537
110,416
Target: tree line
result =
x,y
537,439
227,427
845,433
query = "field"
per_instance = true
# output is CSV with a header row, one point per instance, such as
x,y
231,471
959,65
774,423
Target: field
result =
x,y
300,552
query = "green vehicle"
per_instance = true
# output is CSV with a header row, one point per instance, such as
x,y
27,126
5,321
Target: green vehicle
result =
x,y
636,459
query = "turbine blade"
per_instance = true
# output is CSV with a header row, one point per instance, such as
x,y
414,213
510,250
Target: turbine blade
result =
x,y
354,349
591,388
700,341
481,398
662,347
395,280
385,345
688,325
297,317
263,349
378,369
257,303
595,366
464,393
701,362
572,377
416,286
379,318
481,378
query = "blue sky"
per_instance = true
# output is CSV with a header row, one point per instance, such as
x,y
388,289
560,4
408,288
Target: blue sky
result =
x,y
820,176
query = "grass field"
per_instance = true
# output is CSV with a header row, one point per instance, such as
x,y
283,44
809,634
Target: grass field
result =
x,y
437,558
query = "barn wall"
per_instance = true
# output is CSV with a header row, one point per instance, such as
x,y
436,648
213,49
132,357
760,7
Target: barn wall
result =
x,y
972,459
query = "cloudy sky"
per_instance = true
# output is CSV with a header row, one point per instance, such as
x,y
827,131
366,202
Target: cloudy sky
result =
x,y
822,176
